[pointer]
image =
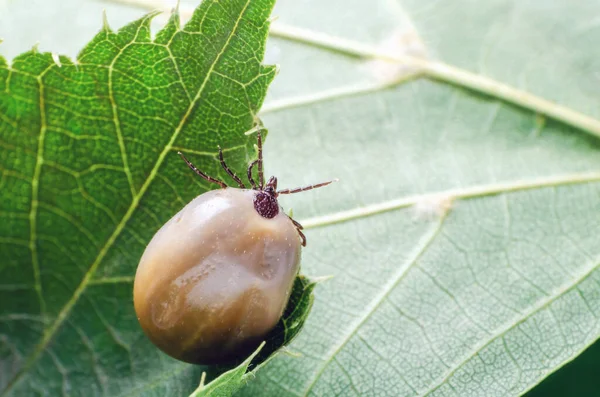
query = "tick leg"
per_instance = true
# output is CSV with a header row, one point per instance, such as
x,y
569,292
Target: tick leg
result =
x,y
231,174
299,228
305,188
202,174
261,178
296,223
302,236
250,179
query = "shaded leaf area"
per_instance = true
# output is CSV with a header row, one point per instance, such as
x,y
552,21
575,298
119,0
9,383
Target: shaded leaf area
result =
x,y
89,172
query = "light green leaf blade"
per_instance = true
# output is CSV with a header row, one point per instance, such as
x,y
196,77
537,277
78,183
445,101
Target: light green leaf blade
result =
x,y
501,292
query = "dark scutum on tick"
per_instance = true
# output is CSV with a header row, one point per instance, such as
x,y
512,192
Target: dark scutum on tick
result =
x,y
265,199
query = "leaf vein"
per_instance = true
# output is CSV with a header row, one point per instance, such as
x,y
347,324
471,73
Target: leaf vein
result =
x,y
445,73
536,308
33,212
394,280
469,192
387,361
116,119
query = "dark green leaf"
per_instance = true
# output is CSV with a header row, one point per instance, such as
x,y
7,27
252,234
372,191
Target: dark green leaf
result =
x,y
89,172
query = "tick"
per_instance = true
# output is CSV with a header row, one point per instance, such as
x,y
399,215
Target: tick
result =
x,y
216,278
265,197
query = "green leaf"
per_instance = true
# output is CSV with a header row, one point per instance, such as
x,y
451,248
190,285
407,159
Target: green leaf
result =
x,y
89,172
227,383
463,235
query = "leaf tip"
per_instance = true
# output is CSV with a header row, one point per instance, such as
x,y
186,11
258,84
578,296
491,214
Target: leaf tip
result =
x,y
252,130
105,25
175,18
175,10
151,15
202,380
36,47
56,59
320,279
258,349
291,353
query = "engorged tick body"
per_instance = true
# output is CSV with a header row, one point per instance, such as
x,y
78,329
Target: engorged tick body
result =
x,y
215,279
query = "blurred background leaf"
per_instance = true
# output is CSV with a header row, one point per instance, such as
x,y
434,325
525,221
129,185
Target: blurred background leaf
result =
x,y
463,237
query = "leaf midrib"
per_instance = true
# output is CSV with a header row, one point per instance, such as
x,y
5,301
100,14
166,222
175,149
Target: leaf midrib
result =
x,y
438,70
63,314
451,195
33,211
117,121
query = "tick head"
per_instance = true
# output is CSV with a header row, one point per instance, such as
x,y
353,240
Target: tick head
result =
x,y
265,200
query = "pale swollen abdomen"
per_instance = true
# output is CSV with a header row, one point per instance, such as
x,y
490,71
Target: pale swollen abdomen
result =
x,y
215,279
